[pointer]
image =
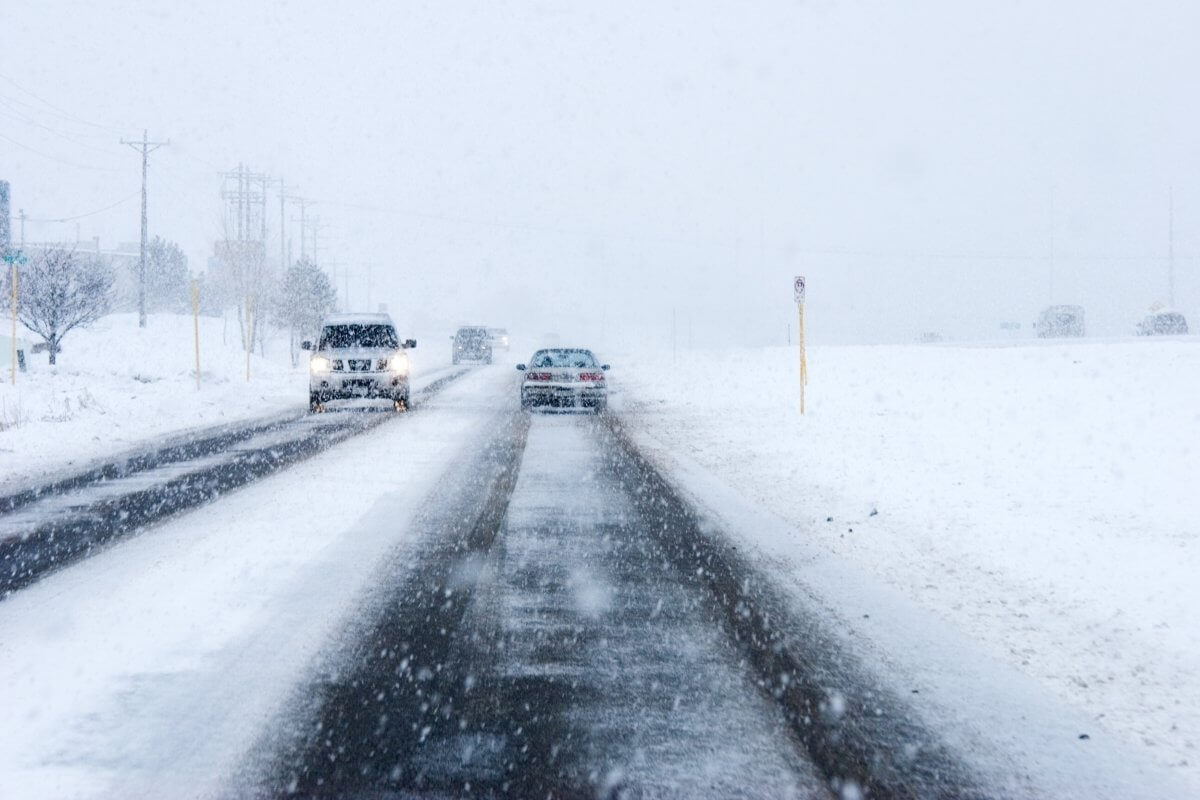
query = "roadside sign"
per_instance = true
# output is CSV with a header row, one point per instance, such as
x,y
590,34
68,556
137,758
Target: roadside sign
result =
x,y
798,287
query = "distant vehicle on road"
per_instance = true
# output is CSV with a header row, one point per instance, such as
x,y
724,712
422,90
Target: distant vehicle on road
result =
x,y
564,377
358,356
1162,323
1060,321
498,337
471,343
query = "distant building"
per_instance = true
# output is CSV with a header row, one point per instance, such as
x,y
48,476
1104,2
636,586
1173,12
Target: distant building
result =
x,y
123,258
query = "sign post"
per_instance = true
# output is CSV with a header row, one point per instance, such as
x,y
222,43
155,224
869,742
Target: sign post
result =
x,y
13,258
798,287
14,323
196,326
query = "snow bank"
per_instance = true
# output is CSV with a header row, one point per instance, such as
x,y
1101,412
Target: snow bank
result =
x,y
117,386
1041,500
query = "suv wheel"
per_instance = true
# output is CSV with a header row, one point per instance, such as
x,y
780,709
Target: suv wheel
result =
x,y
314,403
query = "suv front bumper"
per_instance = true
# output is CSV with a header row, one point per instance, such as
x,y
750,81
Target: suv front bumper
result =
x,y
333,386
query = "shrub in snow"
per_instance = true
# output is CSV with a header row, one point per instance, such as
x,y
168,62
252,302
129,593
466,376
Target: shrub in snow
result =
x,y
167,287
304,298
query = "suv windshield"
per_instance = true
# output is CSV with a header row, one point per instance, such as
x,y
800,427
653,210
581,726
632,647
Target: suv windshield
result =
x,y
563,358
471,334
341,336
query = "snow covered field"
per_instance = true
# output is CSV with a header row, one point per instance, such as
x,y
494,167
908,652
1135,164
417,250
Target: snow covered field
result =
x,y
117,386
1039,499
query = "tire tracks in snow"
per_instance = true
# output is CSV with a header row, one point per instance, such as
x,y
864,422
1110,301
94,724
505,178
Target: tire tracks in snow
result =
x,y
422,699
45,529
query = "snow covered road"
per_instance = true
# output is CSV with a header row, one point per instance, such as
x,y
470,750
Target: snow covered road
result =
x,y
48,526
148,669
552,650
483,602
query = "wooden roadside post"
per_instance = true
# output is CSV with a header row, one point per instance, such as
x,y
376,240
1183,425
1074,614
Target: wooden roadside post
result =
x,y
196,326
249,338
798,287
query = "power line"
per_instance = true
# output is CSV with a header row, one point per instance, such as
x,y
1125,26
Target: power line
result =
x,y
122,201
10,112
846,252
57,110
56,158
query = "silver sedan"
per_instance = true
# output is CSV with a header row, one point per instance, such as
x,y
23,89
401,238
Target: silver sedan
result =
x,y
564,377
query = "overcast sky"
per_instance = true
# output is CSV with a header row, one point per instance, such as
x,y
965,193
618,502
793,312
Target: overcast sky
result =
x,y
596,169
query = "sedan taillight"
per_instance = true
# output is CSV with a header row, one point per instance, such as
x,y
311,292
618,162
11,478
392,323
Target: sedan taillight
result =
x,y
537,376
591,376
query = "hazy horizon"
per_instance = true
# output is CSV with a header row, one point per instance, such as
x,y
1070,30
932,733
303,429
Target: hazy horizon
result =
x,y
601,170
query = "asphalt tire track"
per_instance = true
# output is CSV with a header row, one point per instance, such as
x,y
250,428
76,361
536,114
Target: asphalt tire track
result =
x,y
858,732
440,692
400,649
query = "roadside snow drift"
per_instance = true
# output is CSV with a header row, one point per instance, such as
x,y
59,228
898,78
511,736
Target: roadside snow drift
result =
x,y
1040,500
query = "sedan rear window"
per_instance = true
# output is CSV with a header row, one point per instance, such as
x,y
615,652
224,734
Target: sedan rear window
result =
x,y
563,358
339,336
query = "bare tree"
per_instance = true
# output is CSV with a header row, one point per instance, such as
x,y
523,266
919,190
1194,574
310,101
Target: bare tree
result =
x,y
242,280
58,291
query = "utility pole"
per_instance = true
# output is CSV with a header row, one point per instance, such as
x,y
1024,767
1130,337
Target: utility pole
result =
x,y
248,252
303,223
1051,298
316,237
21,214
147,147
265,182
1171,247
241,198
283,260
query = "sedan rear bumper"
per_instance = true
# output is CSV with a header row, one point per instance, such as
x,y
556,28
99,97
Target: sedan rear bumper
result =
x,y
564,395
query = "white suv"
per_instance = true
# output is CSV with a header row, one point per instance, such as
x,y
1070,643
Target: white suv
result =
x,y
358,355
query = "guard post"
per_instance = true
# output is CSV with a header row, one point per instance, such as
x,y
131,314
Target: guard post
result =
x,y
798,287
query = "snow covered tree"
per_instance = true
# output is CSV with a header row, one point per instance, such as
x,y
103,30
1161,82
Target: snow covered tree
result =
x,y
304,298
167,286
59,290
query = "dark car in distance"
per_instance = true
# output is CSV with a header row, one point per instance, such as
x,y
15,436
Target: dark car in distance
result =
x,y
472,343
1163,323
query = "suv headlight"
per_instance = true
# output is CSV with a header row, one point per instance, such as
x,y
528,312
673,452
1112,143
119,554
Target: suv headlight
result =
x,y
399,365
318,364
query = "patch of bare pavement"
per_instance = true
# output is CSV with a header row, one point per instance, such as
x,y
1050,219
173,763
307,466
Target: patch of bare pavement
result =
x,y
571,631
